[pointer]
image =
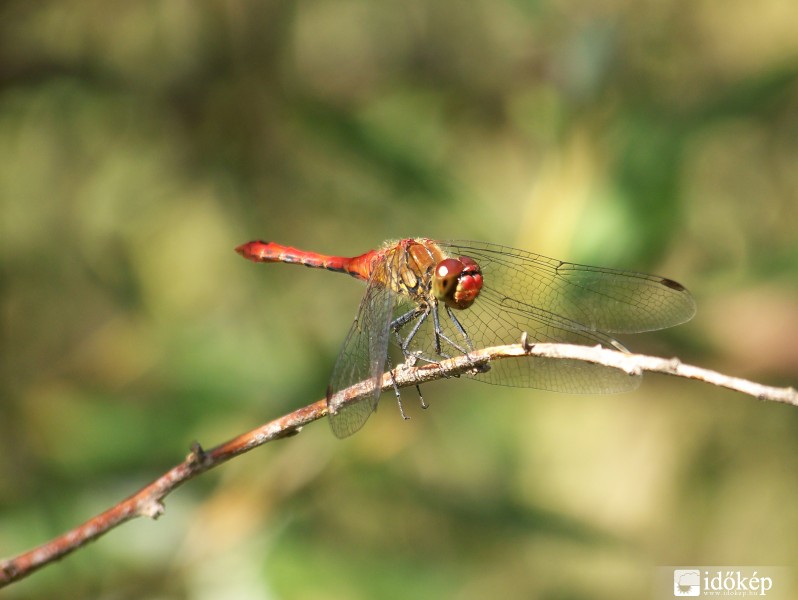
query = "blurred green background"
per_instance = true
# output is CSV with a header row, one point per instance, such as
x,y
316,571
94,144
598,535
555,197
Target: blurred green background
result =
x,y
140,142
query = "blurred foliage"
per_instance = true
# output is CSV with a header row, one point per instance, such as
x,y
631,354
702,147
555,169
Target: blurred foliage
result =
x,y
140,142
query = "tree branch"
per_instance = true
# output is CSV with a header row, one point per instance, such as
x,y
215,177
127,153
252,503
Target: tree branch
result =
x,y
149,500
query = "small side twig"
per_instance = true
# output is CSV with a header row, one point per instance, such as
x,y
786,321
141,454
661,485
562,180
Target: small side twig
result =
x,y
148,501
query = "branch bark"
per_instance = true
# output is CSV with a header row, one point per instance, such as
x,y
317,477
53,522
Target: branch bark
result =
x,y
148,502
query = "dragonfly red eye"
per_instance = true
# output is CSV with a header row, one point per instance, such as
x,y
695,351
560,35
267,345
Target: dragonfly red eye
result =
x,y
457,282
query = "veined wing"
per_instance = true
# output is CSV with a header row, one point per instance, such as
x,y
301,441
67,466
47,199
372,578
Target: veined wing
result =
x,y
593,298
488,323
553,301
364,353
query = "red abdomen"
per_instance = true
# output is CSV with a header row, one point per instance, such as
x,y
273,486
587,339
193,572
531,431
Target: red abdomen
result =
x,y
259,251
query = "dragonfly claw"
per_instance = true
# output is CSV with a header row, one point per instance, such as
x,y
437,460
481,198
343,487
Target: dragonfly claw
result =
x,y
402,409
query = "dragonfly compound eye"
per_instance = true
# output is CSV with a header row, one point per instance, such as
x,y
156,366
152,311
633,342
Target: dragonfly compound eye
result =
x,y
457,282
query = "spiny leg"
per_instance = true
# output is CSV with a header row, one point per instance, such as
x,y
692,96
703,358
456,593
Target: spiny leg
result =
x,y
439,335
424,405
397,324
396,391
404,319
421,315
461,330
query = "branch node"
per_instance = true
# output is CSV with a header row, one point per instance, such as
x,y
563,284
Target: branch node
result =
x,y
152,509
674,364
287,433
9,571
197,455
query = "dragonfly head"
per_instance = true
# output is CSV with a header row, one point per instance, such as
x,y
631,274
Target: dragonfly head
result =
x,y
457,282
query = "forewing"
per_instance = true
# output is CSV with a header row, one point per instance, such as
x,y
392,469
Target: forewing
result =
x,y
594,298
555,301
363,355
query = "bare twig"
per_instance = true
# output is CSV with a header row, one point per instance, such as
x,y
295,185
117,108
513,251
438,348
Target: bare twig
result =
x,y
149,500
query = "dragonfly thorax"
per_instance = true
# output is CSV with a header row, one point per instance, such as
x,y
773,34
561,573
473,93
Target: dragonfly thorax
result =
x,y
457,282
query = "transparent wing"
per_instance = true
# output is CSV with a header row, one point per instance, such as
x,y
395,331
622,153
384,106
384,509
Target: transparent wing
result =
x,y
553,301
593,298
363,355
487,323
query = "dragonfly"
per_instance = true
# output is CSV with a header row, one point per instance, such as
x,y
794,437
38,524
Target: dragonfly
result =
x,y
438,299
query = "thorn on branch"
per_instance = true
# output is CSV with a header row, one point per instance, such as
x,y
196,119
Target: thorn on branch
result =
x,y
525,342
288,433
9,571
479,369
152,509
197,455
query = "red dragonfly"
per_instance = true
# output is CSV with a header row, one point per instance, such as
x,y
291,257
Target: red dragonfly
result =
x,y
439,299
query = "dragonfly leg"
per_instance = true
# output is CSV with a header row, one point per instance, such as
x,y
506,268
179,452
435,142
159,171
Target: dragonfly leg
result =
x,y
439,335
397,324
396,391
400,322
421,315
424,405
404,319
483,369
406,417
460,329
